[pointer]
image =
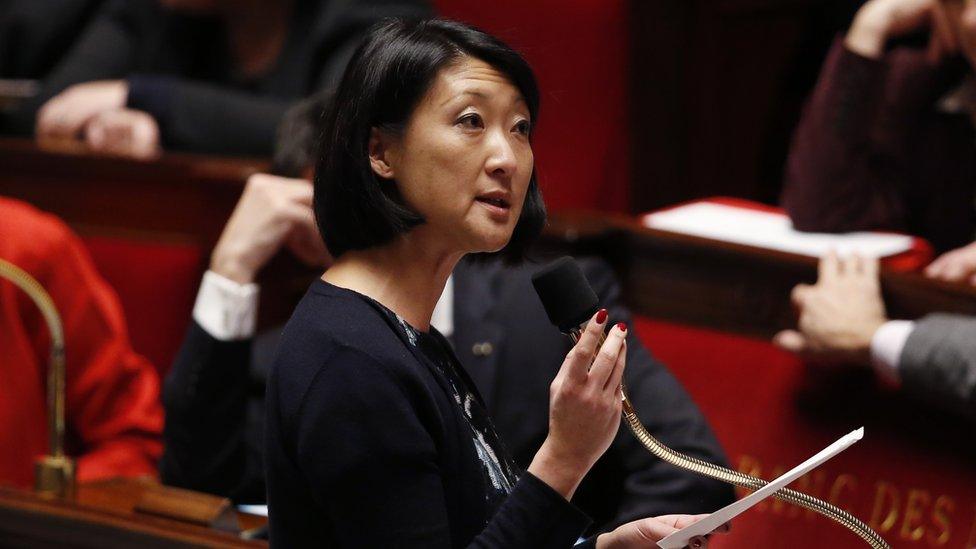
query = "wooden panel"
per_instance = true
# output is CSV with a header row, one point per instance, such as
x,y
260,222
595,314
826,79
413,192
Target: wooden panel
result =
x,y
728,287
179,198
102,516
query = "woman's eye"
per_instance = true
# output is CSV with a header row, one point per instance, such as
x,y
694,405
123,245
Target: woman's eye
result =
x,y
470,121
523,127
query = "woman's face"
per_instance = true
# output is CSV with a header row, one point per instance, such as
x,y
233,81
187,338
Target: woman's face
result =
x,y
464,160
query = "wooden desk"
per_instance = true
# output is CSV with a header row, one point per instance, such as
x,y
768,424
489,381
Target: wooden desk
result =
x,y
723,286
179,198
103,516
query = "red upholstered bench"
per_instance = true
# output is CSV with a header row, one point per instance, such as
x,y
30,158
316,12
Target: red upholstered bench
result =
x,y
156,284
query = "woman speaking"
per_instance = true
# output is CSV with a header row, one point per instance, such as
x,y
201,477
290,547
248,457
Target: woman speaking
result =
x,y
376,436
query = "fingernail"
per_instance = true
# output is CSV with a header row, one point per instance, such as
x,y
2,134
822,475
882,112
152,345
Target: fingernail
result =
x,y
621,326
601,316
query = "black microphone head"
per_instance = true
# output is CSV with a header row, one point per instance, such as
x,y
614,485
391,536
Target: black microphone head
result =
x,y
565,293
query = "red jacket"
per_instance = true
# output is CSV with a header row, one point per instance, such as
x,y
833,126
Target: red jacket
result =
x,y
114,416
873,152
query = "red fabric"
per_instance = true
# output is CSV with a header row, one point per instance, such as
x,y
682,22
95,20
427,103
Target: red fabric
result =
x,y
579,52
913,259
911,477
113,411
157,306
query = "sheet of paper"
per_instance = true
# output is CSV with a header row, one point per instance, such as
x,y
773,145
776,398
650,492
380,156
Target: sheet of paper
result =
x,y
261,510
770,230
682,537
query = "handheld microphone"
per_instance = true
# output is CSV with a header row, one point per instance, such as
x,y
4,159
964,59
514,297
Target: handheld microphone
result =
x,y
570,302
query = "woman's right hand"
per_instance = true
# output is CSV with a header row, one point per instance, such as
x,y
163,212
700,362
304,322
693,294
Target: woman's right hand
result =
x,y
584,407
881,20
647,532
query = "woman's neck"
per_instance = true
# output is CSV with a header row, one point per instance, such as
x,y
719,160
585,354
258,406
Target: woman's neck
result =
x,y
256,32
404,276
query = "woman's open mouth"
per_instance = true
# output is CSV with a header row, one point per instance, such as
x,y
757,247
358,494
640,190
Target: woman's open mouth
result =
x,y
497,203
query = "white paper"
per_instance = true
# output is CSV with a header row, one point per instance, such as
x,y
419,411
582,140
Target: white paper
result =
x,y
770,230
707,525
261,510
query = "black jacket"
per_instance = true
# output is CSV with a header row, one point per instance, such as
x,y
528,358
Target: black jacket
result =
x,y
214,408
376,437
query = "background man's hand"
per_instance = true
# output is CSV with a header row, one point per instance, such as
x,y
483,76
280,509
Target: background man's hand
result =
x,y
272,212
124,132
65,115
881,20
955,266
840,314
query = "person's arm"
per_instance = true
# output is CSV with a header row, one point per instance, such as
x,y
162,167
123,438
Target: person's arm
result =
x,y
209,443
938,361
206,396
847,165
652,487
112,392
106,50
384,481
206,118
832,182
201,117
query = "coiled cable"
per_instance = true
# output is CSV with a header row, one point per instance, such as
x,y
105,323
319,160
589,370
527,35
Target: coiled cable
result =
x,y
743,480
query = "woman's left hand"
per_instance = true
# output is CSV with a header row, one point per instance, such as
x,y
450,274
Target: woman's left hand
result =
x,y
647,532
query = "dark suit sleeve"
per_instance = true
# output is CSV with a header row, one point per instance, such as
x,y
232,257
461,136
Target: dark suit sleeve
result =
x,y
208,418
652,487
202,117
106,50
851,162
382,486
938,362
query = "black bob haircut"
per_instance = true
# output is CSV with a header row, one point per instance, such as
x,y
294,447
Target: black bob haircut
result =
x,y
386,78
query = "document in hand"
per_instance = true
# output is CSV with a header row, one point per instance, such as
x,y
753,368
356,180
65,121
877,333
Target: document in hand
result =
x,y
770,230
682,537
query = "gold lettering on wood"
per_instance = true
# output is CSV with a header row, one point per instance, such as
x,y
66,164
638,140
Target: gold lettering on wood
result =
x,y
884,494
940,517
841,483
918,501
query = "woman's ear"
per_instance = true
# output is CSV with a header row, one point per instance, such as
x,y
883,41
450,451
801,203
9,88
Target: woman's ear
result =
x,y
381,153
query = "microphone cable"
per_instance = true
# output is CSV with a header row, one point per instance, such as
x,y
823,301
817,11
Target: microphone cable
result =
x,y
570,302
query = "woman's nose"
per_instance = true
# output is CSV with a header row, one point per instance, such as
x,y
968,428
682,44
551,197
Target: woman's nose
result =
x,y
501,155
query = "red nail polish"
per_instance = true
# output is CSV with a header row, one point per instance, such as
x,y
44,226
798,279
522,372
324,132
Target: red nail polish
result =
x,y
601,316
622,326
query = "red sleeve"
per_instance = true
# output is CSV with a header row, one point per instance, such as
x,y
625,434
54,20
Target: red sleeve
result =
x,y
114,414
848,163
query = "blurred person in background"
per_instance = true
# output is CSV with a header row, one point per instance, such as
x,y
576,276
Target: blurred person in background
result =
x,y
209,76
843,320
887,140
35,34
113,412
214,394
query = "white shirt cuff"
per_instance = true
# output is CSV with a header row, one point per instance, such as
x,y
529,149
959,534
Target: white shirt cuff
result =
x,y
225,309
886,346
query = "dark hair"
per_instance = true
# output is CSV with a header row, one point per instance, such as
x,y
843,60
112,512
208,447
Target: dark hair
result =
x,y
296,138
386,78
